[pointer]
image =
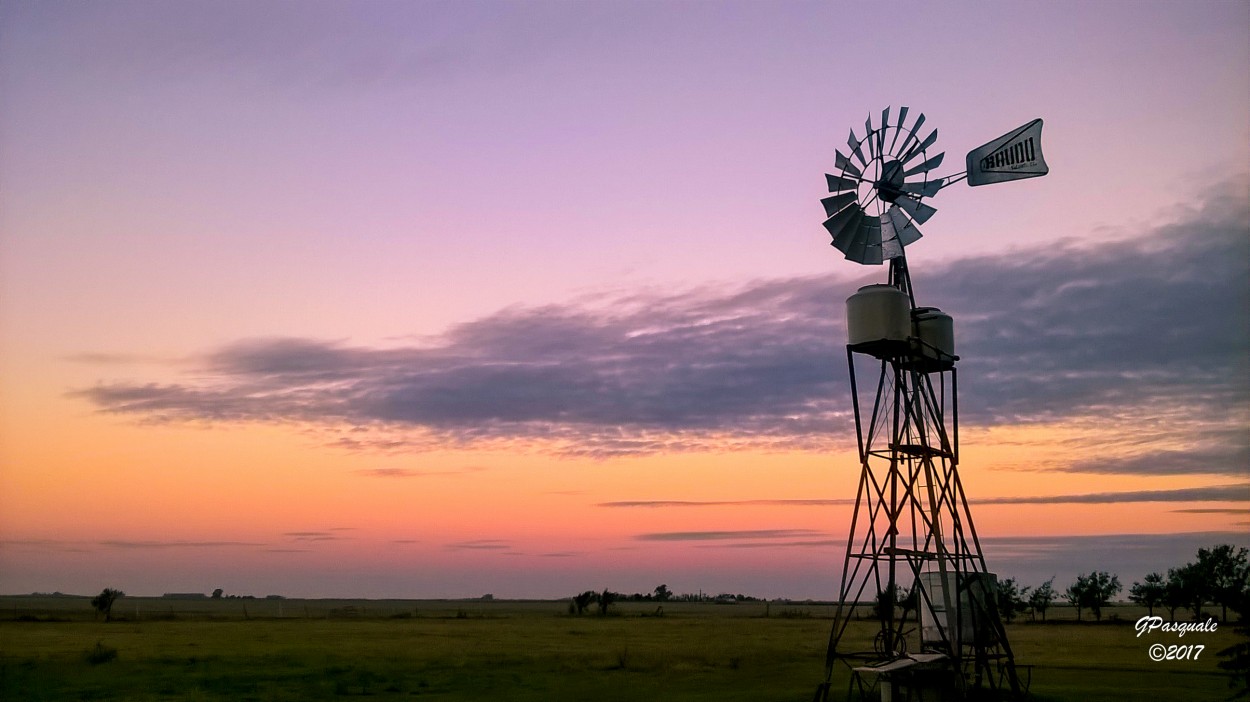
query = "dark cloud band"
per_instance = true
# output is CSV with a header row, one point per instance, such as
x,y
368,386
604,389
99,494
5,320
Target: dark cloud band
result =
x,y
1135,331
746,535
1215,493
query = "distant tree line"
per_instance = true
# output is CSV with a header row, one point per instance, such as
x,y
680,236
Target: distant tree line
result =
x,y
1219,576
603,600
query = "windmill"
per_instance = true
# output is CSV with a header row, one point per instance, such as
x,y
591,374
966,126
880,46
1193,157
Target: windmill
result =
x,y
912,529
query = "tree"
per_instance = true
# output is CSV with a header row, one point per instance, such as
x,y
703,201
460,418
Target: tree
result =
x,y
1102,586
217,594
582,601
909,600
606,598
1011,599
1176,590
1191,587
1075,594
1236,658
662,593
103,602
1041,598
1093,591
896,600
1149,593
1225,571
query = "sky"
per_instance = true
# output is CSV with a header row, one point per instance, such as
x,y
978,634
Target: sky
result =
x,y
440,299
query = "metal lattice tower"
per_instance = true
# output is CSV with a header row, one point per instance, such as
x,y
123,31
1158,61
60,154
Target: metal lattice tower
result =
x,y
912,530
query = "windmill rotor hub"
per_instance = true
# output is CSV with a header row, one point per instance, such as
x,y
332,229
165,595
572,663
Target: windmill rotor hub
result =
x,y
890,185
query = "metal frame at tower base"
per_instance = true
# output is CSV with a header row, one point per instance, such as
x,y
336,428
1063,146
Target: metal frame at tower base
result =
x,y
912,529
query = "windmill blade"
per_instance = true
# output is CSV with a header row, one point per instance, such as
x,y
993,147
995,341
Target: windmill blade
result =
x,y
834,203
919,148
887,228
912,134
855,239
867,234
885,122
853,143
842,223
845,164
926,189
906,232
902,117
890,245
874,254
919,211
908,236
838,183
891,250
868,137
926,166
842,242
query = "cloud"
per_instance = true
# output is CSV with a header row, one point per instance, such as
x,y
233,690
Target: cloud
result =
x,y
727,535
124,544
115,359
725,503
411,473
480,545
1214,493
1163,316
816,543
1146,337
669,373
1215,457
1213,510
47,545
315,535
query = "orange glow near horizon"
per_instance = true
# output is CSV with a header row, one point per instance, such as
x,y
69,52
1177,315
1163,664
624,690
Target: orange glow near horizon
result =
x,y
124,480
205,499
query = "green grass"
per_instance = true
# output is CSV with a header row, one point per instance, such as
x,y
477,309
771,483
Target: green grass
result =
x,y
1106,662
473,650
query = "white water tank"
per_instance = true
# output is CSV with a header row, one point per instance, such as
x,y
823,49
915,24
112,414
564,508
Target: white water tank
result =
x,y
878,320
969,617
936,332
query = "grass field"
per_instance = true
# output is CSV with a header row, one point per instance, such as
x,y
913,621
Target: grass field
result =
x,y
161,649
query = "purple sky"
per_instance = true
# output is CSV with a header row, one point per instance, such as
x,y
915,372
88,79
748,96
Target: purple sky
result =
x,y
191,190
